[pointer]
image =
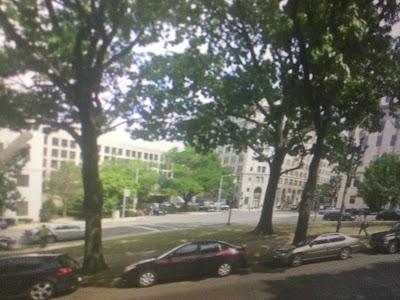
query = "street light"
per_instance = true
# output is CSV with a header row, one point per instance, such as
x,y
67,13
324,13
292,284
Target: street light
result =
x,y
220,190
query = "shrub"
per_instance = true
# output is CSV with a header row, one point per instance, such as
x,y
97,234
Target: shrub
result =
x,y
48,210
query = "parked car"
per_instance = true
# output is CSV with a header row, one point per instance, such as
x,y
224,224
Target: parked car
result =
x,y
6,242
325,245
38,276
362,211
328,210
58,233
159,212
195,258
388,215
386,240
3,224
335,215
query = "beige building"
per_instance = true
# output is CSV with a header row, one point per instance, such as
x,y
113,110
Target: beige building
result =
x,y
48,150
377,143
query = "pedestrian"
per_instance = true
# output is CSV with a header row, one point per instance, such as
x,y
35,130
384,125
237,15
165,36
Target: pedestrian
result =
x,y
44,232
363,226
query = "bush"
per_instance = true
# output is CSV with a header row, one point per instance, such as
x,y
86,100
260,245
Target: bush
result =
x,y
48,210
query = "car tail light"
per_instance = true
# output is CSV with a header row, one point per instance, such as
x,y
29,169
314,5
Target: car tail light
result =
x,y
63,271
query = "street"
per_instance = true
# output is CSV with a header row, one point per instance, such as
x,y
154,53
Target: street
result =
x,y
363,276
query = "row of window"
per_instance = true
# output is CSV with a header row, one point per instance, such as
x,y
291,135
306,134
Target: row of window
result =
x,y
378,143
60,142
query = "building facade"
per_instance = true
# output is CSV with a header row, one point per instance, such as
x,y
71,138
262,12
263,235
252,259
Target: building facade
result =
x,y
376,143
49,150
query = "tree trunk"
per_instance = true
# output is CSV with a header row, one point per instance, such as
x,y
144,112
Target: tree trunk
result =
x,y
15,147
93,198
307,196
264,226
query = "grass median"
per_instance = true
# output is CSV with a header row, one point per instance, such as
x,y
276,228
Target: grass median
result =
x,y
123,251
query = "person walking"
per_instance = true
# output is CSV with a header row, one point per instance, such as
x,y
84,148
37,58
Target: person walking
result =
x,y
363,226
44,232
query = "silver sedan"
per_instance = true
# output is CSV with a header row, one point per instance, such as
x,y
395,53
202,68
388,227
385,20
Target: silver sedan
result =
x,y
58,233
325,245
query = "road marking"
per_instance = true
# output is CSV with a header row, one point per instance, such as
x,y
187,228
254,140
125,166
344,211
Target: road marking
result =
x,y
147,228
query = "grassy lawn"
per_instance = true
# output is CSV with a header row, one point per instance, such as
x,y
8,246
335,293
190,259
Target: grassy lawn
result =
x,y
123,251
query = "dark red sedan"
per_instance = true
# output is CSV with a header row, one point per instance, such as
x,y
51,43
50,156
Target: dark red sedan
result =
x,y
185,261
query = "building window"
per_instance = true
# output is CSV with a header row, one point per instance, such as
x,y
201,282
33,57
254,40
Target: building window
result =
x,y
54,153
226,160
352,199
64,143
356,181
113,150
44,163
286,181
139,154
241,158
72,144
379,140
146,155
393,140
383,121
156,157
128,153
54,164
133,153
72,155
55,141
107,149
239,169
45,151
119,151
46,137
387,99
233,159
64,154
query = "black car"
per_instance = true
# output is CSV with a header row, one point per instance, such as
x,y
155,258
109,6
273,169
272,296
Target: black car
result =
x,y
187,260
388,241
335,215
38,276
390,214
6,242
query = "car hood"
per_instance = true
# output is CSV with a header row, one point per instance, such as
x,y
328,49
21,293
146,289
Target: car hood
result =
x,y
286,248
381,234
146,261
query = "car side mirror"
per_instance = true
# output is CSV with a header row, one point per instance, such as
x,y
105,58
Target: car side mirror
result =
x,y
311,244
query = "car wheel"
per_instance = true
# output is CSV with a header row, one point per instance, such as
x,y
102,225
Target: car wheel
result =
x,y
297,260
392,248
42,290
344,253
147,278
224,269
51,239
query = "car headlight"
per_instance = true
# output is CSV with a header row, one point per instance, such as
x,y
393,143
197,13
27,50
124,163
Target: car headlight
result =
x,y
129,268
280,253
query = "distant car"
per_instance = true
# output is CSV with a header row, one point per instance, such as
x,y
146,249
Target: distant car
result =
x,y
58,233
294,207
388,241
6,242
390,214
187,260
335,215
328,210
159,212
359,211
38,276
316,247
3,224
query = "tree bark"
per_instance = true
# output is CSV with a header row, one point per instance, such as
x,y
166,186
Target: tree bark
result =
x,y
264,226
93,198
307,196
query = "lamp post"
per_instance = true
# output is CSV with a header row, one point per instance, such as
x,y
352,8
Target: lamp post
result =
x,y
220,190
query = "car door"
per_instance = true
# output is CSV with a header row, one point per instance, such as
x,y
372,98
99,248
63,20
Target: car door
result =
x,y
317,248
335,244
182,263
209,257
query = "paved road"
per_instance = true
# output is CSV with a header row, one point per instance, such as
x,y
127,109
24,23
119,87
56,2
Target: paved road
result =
x,y
364,276
145,224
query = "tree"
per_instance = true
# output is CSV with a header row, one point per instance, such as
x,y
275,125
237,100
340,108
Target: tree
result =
x,y
232,85
381,184
76,58
9,173
341,50
65,184
194,174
